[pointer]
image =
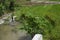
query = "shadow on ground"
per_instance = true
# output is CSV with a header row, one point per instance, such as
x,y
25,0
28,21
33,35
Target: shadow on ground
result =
x,y
27,37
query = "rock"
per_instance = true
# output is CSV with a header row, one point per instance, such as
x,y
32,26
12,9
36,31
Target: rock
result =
x,y
37,37
1,21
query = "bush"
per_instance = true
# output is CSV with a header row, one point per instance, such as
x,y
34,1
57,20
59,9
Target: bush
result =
x,y
11,6
36,25
1,10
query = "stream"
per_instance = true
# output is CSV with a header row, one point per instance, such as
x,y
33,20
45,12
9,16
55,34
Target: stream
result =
x,y
9,33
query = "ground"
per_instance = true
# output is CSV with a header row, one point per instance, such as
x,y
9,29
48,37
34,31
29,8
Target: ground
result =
x,y
52,11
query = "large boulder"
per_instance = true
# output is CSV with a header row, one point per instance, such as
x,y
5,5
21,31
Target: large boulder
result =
x,y
37,37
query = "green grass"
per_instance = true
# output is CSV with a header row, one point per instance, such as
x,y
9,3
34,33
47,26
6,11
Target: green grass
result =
x,y
53,11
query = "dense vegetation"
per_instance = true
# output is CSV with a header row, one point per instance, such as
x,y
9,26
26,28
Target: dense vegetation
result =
x,y
48,12
1,10
47,23
6,5
37,25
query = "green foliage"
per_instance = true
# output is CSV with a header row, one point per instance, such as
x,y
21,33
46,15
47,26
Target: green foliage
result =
x,y
11,6
2,1
50,13
3,6
35,25
8,5
28,0
1,10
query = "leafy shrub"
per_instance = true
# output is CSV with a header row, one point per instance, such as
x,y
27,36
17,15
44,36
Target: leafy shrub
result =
x,y
28,0
11,6
35,25
1,10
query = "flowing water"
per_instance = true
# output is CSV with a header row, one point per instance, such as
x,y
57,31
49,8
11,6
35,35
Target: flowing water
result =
x,y
8,32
